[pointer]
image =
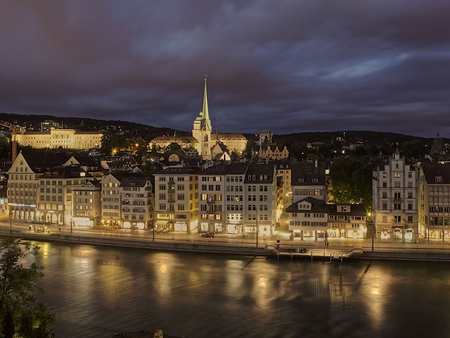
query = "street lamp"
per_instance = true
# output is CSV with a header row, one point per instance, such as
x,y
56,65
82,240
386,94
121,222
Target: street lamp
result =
x,y
257,229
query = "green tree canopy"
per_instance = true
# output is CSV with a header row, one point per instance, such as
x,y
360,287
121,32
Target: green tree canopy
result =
x,y
351,182
21,315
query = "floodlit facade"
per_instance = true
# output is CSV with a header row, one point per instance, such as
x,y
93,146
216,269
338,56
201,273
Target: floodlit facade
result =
x,y
394,200
260,186
22,189
55,199
137,203
87,209
111,201
176,200
211,199
313,220
434,200
202,138
59,138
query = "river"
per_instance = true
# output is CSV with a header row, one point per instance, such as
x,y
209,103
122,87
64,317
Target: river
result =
x,y
96,291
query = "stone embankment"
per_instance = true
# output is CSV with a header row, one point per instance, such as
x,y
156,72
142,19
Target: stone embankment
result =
x,y
287,251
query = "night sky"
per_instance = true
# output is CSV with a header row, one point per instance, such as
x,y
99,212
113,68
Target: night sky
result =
x,y
286,66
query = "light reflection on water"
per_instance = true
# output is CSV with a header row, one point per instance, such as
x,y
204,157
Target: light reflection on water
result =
x,y
96,291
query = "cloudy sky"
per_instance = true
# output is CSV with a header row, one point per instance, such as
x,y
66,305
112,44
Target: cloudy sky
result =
x,y
287,66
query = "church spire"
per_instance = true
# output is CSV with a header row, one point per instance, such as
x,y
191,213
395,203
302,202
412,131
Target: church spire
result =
x,y
205,111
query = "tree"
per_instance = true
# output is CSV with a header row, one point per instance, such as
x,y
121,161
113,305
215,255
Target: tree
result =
x,y
20,312
351,182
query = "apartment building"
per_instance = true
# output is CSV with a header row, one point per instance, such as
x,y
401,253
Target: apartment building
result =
x,y
23,184
308,219
87,208
55,201
235,194
434,200
394,200
308,179
137,202
211,190
176,199
260,186
111,200
314,220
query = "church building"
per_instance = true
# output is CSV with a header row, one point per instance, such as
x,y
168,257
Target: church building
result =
x,y
203,140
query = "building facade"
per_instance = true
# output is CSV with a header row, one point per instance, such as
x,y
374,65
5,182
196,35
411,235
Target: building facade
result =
x,y
313,220
59,138
87,209
394,200
176,200
309,179
434,201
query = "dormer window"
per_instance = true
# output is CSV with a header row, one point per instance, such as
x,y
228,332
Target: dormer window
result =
x,y
315,180
301,180
438,179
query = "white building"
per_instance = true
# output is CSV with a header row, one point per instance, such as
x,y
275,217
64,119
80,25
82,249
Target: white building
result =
x,y
59,138
394,200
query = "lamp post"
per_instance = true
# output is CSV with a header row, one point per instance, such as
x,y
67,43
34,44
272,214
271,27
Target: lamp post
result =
x,y
257,227
10,222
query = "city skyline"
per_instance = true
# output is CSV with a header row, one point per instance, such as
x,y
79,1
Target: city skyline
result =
x,y
288,67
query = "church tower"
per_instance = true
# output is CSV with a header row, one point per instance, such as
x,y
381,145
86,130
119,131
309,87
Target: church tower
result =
x,y
201,130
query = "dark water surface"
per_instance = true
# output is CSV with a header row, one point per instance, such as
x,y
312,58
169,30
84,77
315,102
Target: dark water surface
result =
x,y
96,291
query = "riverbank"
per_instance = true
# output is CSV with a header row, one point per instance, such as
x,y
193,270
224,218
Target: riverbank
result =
x,y
284,250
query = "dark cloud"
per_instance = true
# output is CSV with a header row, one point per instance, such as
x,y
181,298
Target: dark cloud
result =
x,y
289,66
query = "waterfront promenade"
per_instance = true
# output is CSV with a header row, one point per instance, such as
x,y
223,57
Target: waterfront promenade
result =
x,y
278,245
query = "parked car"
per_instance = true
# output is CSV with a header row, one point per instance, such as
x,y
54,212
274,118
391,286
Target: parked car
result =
x,y
208,234
304,250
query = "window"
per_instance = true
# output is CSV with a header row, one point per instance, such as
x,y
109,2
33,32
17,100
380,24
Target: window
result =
x,y
397,219
397,174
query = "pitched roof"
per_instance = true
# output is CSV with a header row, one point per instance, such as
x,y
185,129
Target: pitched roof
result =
x,y
260,173
433,170
308,173
43,160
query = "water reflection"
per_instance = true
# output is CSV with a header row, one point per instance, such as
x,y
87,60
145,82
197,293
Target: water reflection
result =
x,y
97,291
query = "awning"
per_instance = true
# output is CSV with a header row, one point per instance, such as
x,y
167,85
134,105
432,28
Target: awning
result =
x,y
161,223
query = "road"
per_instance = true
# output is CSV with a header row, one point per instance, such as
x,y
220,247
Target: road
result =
x,y
281,237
